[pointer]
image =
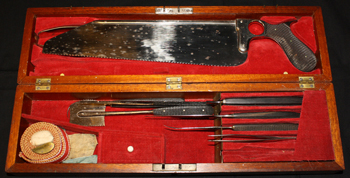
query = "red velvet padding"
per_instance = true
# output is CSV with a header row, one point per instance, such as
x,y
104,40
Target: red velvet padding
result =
x,y
180,146
147,147
112,145
313,136
264,55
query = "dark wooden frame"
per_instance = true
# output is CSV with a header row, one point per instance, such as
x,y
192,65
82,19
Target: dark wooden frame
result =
x,y
192,84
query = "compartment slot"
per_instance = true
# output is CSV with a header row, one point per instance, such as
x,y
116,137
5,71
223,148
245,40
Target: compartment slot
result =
x,y
313,135
151,142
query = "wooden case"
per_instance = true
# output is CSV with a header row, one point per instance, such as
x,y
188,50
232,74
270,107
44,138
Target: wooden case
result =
x,y
194,87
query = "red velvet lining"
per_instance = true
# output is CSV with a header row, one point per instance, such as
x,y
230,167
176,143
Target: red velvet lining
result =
x,y
313,136
148,147
153,143
158,144
264,56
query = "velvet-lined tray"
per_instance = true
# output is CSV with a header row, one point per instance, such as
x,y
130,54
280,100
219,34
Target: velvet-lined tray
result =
x,y
169,146
317,147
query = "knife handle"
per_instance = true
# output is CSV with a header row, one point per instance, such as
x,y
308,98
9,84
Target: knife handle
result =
x,y
195,111
290,100
297,52
158,104
265,127
153,100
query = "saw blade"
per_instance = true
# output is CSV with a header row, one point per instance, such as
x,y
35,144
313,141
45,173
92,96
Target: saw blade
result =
x,y
187,42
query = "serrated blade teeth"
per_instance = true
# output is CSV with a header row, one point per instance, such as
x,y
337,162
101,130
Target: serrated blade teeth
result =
x,y
179,42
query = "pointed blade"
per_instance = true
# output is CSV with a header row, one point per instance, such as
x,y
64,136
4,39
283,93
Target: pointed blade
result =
x,y
263,115
186,42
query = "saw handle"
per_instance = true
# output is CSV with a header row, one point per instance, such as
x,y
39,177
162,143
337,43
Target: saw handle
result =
x,y
297,52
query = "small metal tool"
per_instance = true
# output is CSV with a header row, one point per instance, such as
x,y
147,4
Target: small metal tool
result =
x,y
251,138
262,115
289,100
245,127
142,103
93,115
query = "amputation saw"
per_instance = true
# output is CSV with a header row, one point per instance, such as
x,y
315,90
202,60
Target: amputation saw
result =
x,y
215,43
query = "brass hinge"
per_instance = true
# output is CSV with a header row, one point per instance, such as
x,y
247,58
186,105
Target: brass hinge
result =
x,y
306,82
174,167
174,83
43,84
184,10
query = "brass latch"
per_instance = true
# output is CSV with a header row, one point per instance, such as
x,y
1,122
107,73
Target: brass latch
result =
x,y
43,84
306,82
174,83
174,167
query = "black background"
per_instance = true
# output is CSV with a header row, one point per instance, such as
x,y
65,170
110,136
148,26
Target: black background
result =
x,y
336,15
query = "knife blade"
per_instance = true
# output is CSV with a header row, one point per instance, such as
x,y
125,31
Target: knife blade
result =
x,y
283,100
245,127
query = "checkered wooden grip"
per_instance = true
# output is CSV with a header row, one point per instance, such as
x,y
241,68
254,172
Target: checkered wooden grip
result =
x,y
184,111
297,52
